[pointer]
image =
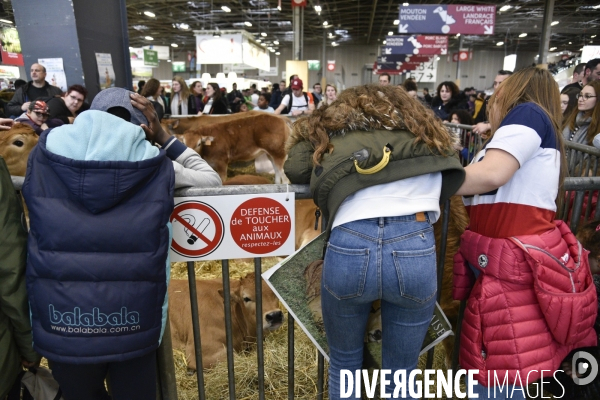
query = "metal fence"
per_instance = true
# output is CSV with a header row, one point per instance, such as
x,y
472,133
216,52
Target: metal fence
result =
x,y
579,193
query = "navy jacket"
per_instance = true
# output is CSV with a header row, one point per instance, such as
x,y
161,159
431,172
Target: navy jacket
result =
x,y
98,248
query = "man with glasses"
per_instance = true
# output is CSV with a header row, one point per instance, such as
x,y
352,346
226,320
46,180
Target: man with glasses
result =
x,y
67,107
36,88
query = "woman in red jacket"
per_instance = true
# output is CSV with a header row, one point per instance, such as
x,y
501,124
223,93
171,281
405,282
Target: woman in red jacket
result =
x,y
533,300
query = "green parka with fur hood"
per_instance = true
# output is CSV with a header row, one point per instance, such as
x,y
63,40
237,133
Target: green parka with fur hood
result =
x,y
338,176
15,327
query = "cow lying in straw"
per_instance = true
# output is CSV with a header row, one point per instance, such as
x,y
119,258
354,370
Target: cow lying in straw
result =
x,y
212,317
234,138
15,146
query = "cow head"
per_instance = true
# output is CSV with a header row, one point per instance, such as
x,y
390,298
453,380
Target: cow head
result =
x,y
170,125
15,146
195,141
243,306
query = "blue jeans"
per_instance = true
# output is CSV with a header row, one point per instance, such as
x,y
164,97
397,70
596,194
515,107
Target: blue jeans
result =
x,y
392,259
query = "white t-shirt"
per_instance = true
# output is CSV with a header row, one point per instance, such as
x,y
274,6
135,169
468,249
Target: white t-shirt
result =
x,y
298,103
404,197
268,109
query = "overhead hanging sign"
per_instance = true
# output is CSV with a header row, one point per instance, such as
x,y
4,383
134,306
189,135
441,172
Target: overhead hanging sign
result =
x,y
415,44
225,227
233,47
425,72
447,19
150,58
163,51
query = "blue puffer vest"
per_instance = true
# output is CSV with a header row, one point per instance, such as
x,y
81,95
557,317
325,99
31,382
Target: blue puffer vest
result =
x,y
97,268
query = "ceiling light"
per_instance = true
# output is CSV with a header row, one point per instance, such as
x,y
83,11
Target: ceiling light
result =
x,y
276,42
390,33
570,43
263,34
330,34
318,8
225,8
263,44
593,36
554,23
396,22
148,38
522,35
259,40
248,23
405,4
325,23
279,8
149,14
458,35
168,60
552,48
6,21
384,42
182,25
505,8
277,53
499,43
174,45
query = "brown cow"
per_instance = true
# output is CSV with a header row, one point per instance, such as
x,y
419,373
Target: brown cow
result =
x,y
178,126
15,146
241,139
212,317
305,222
247,180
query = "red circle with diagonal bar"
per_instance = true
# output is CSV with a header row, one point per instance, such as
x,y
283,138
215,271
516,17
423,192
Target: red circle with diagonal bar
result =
x,y
210,244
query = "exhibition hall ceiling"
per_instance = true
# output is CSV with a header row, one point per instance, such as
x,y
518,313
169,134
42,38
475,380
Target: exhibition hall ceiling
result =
x,y
350,22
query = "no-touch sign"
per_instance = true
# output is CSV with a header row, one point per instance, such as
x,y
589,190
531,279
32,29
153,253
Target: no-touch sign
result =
x,y
228,227
260,225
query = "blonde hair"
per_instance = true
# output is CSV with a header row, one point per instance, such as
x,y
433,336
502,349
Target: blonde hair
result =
x,y
371,107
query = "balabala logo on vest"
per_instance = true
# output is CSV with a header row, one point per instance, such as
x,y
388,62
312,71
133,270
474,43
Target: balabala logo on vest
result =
x,y
95,322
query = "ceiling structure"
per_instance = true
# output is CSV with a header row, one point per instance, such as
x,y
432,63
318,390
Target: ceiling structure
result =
x,y
354,22
349,22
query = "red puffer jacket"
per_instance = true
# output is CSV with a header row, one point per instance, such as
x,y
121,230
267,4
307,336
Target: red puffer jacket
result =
x,y
533,302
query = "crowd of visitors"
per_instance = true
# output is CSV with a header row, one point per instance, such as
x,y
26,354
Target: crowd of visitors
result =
x,y
512,209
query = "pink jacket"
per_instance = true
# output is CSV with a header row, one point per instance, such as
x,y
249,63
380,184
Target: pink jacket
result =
x,y
533,302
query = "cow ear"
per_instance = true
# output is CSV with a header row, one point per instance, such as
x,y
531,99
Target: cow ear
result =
x,y
234,296
207,140
176,124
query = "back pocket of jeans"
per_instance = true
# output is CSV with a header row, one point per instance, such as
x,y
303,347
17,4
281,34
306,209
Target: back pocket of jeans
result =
x,y
345,271
417,275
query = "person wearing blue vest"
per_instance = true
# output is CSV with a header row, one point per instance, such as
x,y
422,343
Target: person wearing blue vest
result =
x,y
100,196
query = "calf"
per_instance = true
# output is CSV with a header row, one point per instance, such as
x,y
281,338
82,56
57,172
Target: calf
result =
x,y
15,146
211,312
305,222
178,126
241,139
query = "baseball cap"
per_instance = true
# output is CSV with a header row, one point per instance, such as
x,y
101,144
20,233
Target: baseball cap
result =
x,y
118,97
39,106
297,84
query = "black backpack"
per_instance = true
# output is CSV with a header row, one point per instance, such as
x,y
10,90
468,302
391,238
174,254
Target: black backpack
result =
x,y
289,106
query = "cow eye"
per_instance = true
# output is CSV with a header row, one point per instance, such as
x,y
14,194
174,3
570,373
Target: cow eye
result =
x,y
247,299
18,143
